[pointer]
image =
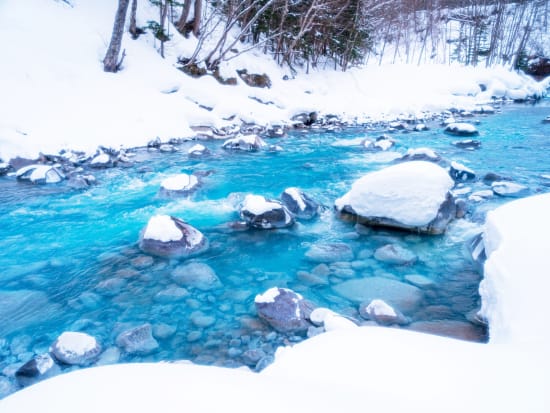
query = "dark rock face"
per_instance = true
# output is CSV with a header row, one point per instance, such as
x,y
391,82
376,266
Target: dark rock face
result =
x,y
468,144
183,239
538,66
259,212
306,119
40,367
460,173
301,205
284,310
254,80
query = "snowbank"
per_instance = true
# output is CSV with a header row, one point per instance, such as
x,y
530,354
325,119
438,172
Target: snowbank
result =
x,y
365,367
60,98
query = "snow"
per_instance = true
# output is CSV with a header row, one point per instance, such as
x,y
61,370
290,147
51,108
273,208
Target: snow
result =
x,y
68,102
75,343
60,98
102,158
258,205
162,228
267,297
297,196
460,167
179,182
45,173
380,307
461,127
410,193
429,153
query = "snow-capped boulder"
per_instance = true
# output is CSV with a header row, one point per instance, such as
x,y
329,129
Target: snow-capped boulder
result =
x,y
168,236
403,296
421,127
411,195
329,252
511,189
381,312
40,174
421,154
259,212
250,143
138,340
395,254
461,173
301,205
284,310
198,150
461,129
330,320
73,347
102,160
382,143
167,148
179,185
40,367
468,144
546,119
196,275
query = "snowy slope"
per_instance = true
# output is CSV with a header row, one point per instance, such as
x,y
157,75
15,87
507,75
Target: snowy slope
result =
x,y
59,97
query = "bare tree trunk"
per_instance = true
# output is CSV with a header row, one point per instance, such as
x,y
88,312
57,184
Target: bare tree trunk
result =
x,y
182,22
133,26
197,11
110,62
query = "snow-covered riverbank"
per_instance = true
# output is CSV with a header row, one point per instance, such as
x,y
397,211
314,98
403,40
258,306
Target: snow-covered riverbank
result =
x,y
56,95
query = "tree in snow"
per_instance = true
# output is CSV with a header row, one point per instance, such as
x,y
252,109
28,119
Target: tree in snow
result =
x,y
111,62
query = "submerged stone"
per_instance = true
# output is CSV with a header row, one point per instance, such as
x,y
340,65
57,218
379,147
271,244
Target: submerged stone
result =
x,y
138,340
395,254
402,296
196,275
329,252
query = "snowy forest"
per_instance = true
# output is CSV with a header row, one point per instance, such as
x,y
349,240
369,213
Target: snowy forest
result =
x,y
343,33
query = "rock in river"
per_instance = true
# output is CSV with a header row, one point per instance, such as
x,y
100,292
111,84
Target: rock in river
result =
x,y
412,196
167,236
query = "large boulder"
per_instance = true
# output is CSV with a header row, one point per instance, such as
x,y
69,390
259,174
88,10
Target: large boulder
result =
x,y
259,212
40,174
284,310
301,205
395,254
76,348
404,297
138,340
411,196
167,236
461,129
179,185
249,143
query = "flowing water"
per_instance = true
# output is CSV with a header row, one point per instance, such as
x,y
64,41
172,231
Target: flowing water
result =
x,y
69,259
